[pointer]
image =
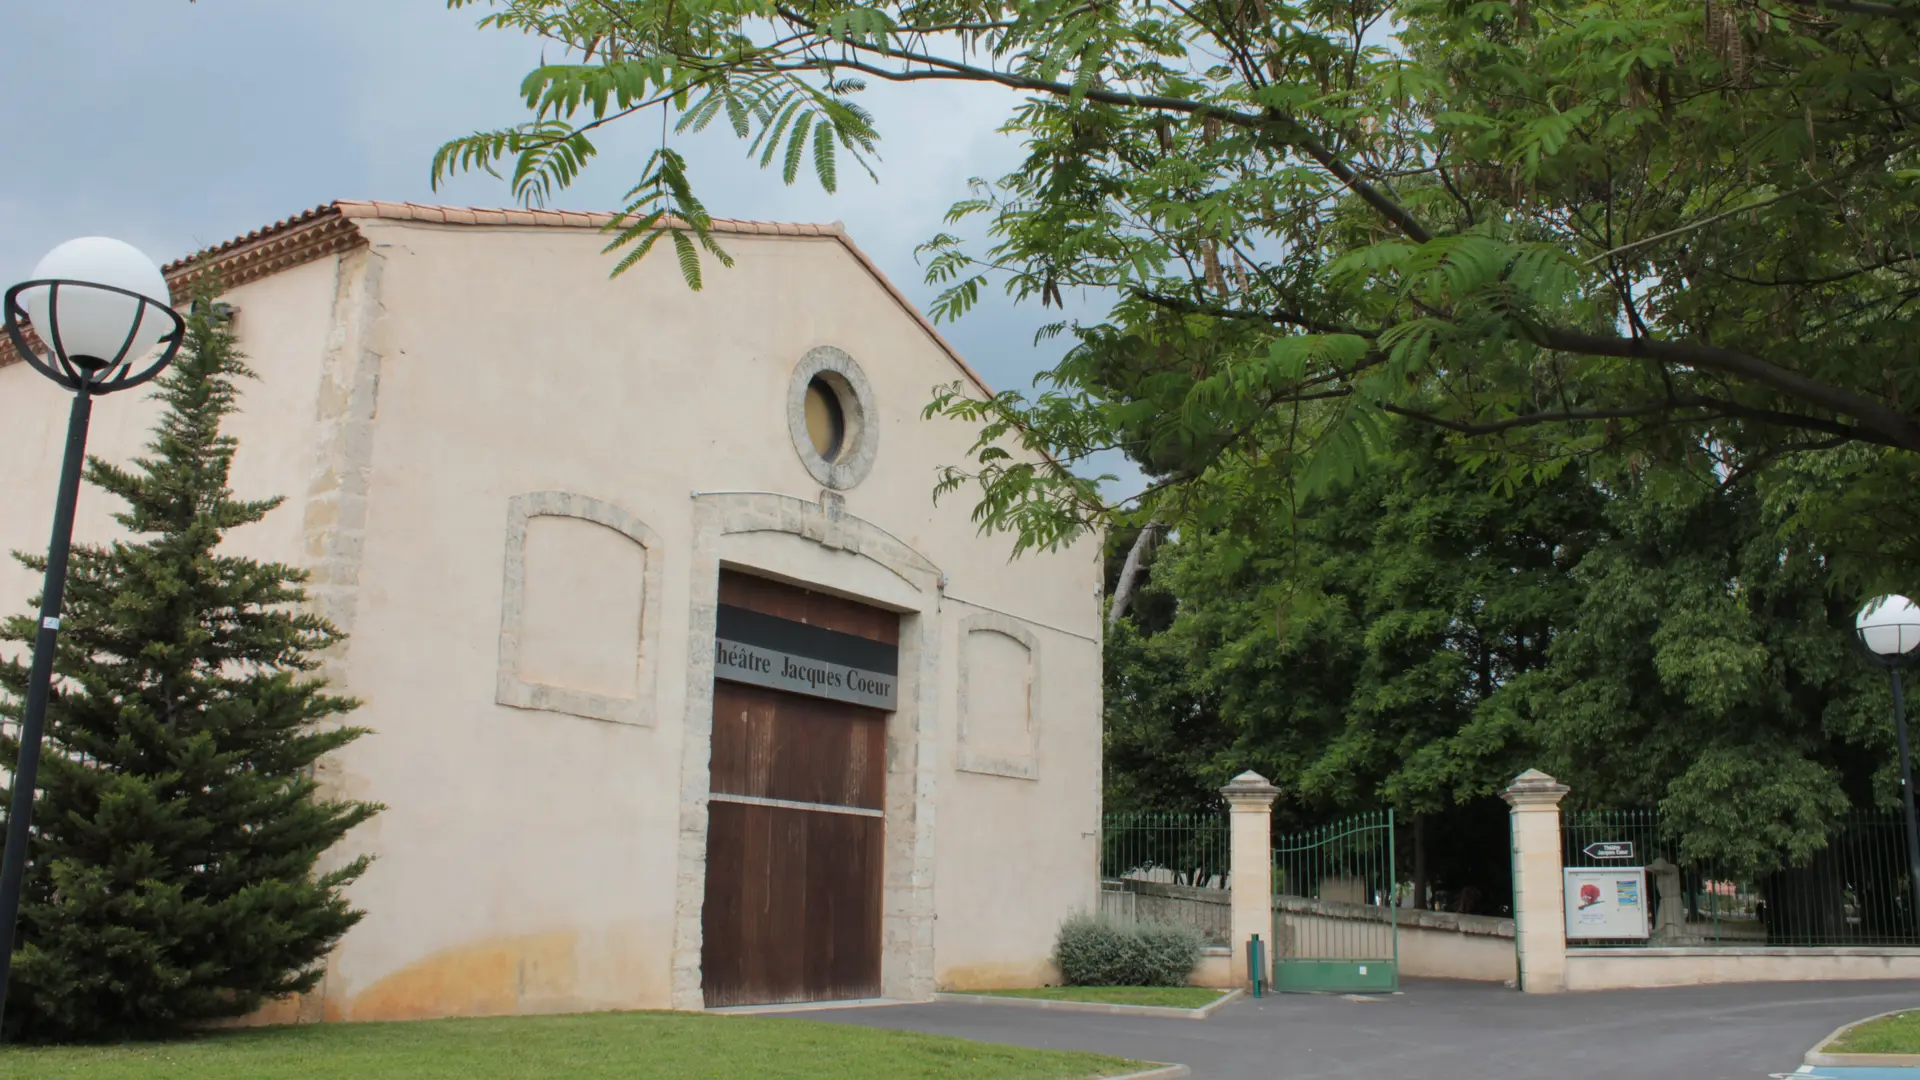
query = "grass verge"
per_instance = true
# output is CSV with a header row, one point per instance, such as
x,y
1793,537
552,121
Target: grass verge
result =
x,y
1896,1034
1175,997
593,1046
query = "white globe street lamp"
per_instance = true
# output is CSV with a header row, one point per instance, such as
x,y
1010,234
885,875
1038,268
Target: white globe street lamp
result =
x,y
100,308
100,311
1889,629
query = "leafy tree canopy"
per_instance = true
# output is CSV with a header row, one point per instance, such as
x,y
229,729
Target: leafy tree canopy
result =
x,y
1650,639
1552,227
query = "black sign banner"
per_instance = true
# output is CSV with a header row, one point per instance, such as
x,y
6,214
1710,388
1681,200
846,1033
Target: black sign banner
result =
x,y
766,650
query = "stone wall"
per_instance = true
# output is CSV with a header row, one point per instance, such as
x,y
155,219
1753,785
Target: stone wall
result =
x,y
1207,909
1633,968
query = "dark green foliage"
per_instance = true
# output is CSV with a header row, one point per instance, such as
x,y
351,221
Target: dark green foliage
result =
x,y
1855,506
173,878
1655,638
1093,950
1165,737
1712,673
1357,653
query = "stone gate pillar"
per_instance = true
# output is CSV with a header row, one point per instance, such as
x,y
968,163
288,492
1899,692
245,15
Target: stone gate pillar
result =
x,y
1539,912
1250,873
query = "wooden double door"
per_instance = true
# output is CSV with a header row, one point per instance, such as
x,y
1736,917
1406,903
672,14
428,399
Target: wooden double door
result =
x,y
795,824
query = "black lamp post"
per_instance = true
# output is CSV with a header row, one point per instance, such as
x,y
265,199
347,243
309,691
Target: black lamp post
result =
x,y
1889,628
99,308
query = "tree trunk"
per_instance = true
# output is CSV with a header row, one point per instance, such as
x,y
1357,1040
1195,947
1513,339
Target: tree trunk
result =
x,y
1130,572
1420,862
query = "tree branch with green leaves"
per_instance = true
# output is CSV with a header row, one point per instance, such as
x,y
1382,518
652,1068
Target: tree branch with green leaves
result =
x,y
1552,228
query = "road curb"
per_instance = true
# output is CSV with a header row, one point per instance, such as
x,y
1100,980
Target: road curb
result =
x,y
1820,1056
1158,1072
1103,1007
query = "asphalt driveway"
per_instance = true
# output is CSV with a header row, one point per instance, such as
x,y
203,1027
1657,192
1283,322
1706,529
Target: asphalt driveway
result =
x,y
1447,1031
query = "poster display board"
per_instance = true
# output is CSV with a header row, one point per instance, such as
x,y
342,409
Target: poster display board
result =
x,y
1606,902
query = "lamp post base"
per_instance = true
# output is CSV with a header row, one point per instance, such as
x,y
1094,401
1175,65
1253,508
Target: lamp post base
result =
x,y
1906,786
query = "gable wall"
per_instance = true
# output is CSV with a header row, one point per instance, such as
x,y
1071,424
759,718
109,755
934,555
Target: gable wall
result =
x,y
522,841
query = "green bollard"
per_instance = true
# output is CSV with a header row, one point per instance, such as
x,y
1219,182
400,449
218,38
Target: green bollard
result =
x,y
1254,966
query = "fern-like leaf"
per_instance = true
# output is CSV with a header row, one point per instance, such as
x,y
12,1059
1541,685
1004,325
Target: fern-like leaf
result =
x,y
796,147
823,150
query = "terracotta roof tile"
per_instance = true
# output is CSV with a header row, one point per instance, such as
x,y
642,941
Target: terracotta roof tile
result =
x,y
329,229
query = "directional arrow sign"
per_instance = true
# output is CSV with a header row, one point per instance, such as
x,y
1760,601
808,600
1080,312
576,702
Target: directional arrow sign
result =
x,y
1610,850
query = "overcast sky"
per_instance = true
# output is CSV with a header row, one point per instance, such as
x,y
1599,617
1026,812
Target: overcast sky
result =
x,y
175,126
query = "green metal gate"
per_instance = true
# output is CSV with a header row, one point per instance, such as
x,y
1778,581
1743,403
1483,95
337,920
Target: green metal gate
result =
x,y
1335,929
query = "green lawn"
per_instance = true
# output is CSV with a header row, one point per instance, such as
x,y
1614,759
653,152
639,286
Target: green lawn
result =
x,y
642,1046
1178,997
1896,1034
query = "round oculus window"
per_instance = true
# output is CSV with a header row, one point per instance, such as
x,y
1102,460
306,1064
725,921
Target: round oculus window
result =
x,y
826,419
831,416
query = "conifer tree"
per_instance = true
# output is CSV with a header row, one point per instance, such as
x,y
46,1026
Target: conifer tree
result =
x,y
173,874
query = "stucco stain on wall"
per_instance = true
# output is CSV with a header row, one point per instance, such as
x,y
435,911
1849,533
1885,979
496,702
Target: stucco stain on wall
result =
x,y
495,977
999,976
613,967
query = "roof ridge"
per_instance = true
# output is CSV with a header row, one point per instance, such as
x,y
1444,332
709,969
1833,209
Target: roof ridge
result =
x,y
447,214
330,229
585,219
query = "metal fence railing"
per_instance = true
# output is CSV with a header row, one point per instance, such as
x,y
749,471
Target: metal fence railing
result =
x,y
1168,868
1173,849
1855,891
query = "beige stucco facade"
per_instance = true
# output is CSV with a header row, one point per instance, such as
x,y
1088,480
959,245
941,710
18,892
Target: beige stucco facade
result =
x,y
515,481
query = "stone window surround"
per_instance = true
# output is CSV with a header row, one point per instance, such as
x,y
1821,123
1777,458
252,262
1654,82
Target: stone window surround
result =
x,y
519,693
861,442
912,749
1020,767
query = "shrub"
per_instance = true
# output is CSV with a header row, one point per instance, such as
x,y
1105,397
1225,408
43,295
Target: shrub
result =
x,y
1094,950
